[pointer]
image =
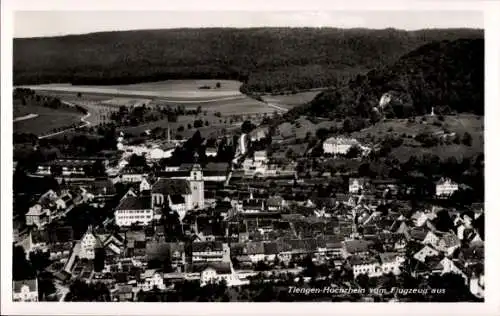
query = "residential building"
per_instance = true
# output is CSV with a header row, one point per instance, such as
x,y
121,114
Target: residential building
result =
x,y
338,145
210,251
25,290
132,210
425,252
445,187
357,185
217,272
151,279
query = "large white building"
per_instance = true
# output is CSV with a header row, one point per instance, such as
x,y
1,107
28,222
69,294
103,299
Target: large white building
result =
x,y
339,145
446,187
210,251
133,209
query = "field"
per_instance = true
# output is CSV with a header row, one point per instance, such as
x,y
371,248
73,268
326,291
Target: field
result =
x,y
289,101
102,99
472,124
216,125
47,120
171,90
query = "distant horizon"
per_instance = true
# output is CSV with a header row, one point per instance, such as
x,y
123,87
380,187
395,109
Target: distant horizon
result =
x,y
43,24
255,28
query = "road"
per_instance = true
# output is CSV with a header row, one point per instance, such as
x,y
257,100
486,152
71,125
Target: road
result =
x,y
83,120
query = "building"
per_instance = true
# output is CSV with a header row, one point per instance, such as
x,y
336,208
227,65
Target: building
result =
x,y
217,272
211,152
445,187
425,252
46,207
338,145
357,185
391,262
136,210
88,244
151,279
25,290
368,266
210,251
186,182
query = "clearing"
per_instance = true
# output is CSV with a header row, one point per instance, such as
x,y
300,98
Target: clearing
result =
x,y
47,120
289,101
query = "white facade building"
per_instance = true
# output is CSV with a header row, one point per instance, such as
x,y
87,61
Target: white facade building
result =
x,y
338,145
25,291
132,210
446,187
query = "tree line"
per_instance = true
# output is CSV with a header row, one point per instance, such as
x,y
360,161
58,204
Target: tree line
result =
x,y
264,59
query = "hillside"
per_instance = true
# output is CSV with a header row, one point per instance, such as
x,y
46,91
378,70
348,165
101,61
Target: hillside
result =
x,y
446,75
266,59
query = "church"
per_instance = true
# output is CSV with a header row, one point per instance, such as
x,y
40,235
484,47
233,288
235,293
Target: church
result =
x,y
181,194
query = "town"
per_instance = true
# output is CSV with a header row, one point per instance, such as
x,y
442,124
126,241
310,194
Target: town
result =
x,y
254,164
239,218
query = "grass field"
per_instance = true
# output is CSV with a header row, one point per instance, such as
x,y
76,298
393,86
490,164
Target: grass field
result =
x,y
459,124
47,119
291,100
174,90
216,125
227,99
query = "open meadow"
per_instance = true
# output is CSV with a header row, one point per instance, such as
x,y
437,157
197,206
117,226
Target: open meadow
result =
x,y
100,100
289,101
172,90
44,119
458,124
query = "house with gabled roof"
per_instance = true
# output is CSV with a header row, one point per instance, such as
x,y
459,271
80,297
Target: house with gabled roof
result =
x,y
132,210
448,243
445,187
25,290
425,252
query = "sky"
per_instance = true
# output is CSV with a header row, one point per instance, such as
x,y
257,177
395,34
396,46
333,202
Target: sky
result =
x,y
55,23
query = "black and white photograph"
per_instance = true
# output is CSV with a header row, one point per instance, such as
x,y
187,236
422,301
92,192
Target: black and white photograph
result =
x,y
319,156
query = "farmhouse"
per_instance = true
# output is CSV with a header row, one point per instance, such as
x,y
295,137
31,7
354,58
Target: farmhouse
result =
x,y
445,187
338,145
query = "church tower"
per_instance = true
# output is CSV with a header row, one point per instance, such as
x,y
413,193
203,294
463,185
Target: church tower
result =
x,y
197,187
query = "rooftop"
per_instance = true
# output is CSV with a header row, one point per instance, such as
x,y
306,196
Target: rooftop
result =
x,y
171,186
135,203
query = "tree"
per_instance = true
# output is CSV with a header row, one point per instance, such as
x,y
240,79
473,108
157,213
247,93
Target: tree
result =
x,y
198,123
322,133
354,152
247,127
137,161
467,139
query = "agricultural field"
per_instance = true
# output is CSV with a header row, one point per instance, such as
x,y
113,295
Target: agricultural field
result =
x,y
227,99
173,90
47,119
289,101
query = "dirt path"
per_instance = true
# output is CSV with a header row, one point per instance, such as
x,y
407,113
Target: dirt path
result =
x,y
82,119
25,117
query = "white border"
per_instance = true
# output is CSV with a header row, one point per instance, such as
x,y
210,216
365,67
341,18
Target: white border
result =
x,y
492,264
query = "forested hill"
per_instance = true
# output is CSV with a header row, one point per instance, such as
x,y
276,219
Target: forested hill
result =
x,y
266,59
446,75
